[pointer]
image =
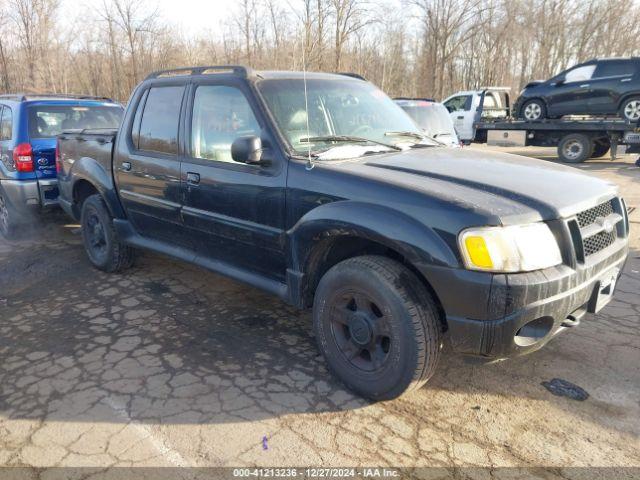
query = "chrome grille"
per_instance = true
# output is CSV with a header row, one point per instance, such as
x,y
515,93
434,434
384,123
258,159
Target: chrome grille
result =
x,y
598,242
588,217
594,237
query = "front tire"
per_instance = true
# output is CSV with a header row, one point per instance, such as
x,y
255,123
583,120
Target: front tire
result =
x,y
377,327
630,109
105,251
575,148
533,110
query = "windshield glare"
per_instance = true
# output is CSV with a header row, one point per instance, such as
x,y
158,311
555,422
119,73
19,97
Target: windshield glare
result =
x,y
344,107
433,119
47,121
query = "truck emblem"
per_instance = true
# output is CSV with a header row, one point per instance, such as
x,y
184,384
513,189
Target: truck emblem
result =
x,y
43,162
606,224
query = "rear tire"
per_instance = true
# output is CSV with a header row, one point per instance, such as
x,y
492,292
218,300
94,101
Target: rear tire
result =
x,y
104,249
377,327
575,148
630,109
8,218
533,110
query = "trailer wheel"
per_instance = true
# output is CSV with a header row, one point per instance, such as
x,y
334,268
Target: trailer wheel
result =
x,y
575,148
600,149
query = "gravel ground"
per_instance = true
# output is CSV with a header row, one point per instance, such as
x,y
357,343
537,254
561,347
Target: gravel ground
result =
x,y
172,366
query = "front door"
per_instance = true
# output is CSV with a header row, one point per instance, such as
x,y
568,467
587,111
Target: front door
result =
x,y
570,93
235,212
147,166
462,114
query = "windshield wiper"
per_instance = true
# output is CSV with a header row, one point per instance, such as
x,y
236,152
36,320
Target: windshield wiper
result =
x,y
416,135
346,139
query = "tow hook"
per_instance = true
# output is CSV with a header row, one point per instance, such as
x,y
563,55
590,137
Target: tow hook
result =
x,y
570,322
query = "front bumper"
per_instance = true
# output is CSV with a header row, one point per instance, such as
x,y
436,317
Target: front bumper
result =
x,y
536,305
30,194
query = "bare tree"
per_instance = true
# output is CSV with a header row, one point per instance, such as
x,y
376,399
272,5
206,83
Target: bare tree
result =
x,y
428,48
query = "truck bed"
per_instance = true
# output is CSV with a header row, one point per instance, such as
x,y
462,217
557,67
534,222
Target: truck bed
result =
x,y
96,144
89,151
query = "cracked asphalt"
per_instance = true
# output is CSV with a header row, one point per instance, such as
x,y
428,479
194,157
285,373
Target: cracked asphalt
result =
x,y
169,365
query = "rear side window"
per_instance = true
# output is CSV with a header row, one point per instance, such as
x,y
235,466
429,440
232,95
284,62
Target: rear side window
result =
x,y
6,124
159,124
615,69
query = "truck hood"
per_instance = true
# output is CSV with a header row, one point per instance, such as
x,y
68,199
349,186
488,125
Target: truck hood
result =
x,y
508,188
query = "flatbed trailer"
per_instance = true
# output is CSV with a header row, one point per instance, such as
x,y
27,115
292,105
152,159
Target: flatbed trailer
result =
x,y
576,139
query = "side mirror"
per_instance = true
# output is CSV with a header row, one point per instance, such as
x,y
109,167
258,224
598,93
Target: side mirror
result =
x,y
559,82
247,150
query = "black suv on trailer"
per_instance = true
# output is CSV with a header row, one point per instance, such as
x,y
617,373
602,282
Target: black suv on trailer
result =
x,y
321,190
608,86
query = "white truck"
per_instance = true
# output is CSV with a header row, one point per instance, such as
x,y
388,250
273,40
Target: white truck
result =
x,y
484,116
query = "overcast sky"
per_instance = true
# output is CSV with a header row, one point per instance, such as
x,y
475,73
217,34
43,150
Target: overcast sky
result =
x,y
195,16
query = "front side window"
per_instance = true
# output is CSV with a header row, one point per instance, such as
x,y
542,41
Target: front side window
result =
x,y
48,121
335,108
457,103
159,123
580,74
6,125
220,115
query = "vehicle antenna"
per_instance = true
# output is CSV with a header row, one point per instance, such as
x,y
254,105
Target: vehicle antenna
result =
x,y
310,164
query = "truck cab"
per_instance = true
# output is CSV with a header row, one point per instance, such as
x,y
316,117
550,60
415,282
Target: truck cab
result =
x,y
29,125
463,106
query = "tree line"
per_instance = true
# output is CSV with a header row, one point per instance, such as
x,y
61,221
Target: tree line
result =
x,y
427,48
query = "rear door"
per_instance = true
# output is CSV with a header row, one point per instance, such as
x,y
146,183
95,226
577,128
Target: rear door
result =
x,y
234,212
611,80
147,164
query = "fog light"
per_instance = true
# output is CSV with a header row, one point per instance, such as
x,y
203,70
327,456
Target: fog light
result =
x,y
533,332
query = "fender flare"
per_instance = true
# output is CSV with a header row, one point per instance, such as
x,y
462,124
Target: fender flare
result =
x,y
90,170
416,242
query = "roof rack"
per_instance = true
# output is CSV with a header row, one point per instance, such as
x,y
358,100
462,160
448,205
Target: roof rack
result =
x,y
21,97
352,75
238,70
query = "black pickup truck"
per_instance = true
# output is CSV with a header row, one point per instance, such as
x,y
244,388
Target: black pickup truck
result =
x,y
319,189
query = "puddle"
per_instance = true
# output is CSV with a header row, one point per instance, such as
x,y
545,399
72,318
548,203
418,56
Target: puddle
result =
x,y
563,388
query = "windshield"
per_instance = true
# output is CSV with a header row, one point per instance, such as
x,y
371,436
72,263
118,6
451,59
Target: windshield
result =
x,y
347,108
434,119
46,121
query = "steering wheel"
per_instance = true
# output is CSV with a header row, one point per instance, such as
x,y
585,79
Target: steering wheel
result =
x,y
362,130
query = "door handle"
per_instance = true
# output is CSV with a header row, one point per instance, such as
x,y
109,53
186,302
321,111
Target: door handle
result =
x,y
193,178
625,80
126,166
585,85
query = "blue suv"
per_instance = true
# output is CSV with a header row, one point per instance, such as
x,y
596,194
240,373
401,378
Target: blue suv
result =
x,y
29,125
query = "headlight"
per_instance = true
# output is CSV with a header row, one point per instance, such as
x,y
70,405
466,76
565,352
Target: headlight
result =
x,y
518,248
